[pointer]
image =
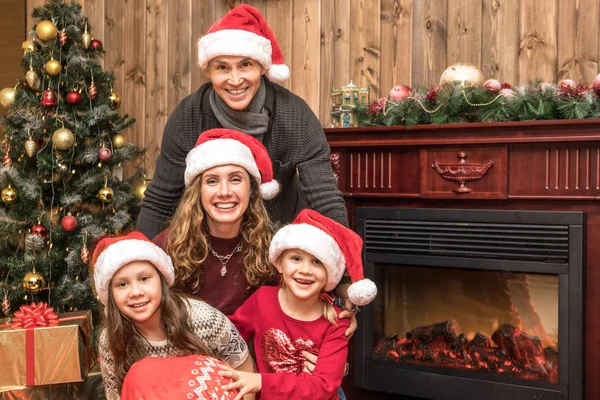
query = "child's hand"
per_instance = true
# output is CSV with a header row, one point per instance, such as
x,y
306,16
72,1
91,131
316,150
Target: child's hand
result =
x,y
349,312
246,382
310,362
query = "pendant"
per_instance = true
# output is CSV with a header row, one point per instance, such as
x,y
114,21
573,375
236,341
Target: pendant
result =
x,y
223,270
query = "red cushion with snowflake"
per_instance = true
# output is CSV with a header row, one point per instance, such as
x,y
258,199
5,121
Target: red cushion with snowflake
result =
x,y
190,377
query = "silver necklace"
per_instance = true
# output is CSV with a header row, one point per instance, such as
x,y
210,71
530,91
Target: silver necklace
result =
x,y
224,259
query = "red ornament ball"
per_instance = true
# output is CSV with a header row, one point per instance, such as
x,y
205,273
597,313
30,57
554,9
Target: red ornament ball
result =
x,y
567,84
69,223
596,85
492,85
399,92
73,98
96,45
38,230
104,154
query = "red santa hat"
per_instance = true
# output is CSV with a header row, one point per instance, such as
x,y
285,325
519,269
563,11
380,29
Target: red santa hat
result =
x,y
336,246
244,32
221,146
112,253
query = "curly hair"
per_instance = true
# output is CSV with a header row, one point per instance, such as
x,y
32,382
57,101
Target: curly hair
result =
x,y
127,345
187,240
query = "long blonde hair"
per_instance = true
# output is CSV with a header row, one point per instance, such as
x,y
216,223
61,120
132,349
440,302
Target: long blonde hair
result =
x,y
127,345
187,240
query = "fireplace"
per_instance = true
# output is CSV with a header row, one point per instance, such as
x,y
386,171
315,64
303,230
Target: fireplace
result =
x,y
472,304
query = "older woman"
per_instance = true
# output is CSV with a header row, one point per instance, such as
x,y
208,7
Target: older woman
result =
x,y
243,62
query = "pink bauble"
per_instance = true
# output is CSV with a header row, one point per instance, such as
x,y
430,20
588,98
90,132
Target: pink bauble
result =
x,y
492,85
567,84
596,85
508,93
545,86
69,223
104,154
399,92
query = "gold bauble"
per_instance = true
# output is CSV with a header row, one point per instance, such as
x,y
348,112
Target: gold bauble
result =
x,y
7,97
140,190
30,147
86,39
28,46
53,67
9,195
32,79
34,282
63,139
114,100
118,141
467,74
46,30
106,195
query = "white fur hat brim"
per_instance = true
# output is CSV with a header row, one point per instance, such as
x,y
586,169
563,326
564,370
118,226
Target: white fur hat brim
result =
x,y
312,240
214,153
234,42
124,252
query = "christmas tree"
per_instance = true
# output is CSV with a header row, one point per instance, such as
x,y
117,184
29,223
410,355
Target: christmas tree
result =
x,y
62,156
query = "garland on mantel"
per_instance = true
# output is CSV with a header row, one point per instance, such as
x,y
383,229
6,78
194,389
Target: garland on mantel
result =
x,y
451,102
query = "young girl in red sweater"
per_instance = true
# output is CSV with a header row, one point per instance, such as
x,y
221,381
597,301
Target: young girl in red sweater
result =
x,y
311,255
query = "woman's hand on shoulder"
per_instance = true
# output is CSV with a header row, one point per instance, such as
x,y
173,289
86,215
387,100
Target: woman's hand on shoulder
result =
x,y
246,382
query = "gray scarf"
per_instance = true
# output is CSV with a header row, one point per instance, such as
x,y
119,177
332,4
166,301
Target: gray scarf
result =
x,y
253,121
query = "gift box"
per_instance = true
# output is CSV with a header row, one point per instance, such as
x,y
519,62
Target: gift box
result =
x,y
42,355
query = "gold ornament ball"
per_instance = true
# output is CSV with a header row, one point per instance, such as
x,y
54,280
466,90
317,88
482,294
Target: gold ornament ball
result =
x,y
46,30
106,195
28,46
141,190
118,141
114,100
53,67
467,74
34,282
63,139
7,97
9,195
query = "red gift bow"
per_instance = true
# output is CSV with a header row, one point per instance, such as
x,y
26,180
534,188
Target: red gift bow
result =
x,y
33,316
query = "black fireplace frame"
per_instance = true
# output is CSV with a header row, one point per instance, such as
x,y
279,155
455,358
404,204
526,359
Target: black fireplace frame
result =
x,y
446,384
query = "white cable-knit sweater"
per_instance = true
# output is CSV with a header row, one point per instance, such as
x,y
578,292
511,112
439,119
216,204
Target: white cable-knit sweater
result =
x,y
208,323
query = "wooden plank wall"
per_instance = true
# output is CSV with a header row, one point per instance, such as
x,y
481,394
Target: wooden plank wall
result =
x,y
151,46
12,29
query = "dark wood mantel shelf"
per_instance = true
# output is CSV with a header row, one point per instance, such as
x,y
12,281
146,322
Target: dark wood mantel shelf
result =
x,y
526,165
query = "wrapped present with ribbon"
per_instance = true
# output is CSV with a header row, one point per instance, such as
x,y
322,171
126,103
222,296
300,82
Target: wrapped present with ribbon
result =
x,y
39,347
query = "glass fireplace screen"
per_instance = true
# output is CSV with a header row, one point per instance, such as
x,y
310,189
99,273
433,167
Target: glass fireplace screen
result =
x,y
499,323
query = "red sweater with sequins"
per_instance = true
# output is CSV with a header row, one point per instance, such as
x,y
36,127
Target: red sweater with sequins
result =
x,y
279,341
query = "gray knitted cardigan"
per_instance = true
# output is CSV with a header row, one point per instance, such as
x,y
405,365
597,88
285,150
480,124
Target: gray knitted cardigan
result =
x,y
295,141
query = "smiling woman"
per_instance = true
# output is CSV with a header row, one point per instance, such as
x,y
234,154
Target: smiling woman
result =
x,y
219,236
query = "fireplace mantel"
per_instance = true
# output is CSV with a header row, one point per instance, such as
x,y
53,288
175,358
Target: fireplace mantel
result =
x,y
528,165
